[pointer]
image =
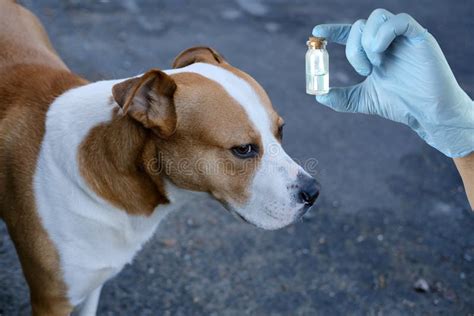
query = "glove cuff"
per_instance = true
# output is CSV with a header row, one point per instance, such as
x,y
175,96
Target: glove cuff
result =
x,y
454,141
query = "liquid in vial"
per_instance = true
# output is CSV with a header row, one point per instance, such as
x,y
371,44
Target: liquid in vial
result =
x,y
317,67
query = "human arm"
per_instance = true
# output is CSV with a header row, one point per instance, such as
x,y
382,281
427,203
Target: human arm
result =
x,y
408,80
465,167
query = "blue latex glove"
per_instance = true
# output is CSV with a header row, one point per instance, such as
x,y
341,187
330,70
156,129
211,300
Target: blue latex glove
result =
x,y
408,80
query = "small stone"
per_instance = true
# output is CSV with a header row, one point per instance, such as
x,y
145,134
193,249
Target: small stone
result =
x,y
360,238
322,240
253,7
150,25
450,295
127,63
151,270
408,303
469,255
435,302
49,13
168,243
438,287
380,237
213,221
272,27
231,14
462,275
421,285
381,282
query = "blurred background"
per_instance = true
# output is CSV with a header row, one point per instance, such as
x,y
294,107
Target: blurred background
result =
x,y
392,210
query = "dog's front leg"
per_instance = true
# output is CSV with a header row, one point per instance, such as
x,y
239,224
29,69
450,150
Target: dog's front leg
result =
x,y
89,306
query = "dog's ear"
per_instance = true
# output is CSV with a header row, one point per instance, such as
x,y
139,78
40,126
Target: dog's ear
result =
x,y
200,54
149,100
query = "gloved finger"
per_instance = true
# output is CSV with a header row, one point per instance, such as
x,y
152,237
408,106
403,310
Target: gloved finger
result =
x,y
376,19
400,25
341,99
336,33
355,53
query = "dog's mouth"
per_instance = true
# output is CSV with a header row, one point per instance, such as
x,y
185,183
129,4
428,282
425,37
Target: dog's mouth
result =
x,y
234,213
297,216
238,216
302,211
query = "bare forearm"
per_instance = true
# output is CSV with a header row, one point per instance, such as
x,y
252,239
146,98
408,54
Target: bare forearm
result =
x,y
465,166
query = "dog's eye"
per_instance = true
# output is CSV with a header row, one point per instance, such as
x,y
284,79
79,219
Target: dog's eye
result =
x,y
245,151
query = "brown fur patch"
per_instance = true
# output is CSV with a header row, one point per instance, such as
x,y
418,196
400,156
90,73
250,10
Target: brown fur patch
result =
x,y
31,76
23,39
22,119
113,157
196,55
275,119
211,56
111,161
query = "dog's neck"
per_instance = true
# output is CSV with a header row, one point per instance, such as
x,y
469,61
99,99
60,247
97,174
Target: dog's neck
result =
x,y
116,160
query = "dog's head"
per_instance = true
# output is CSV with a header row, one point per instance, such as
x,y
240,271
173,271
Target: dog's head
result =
x,y
215,130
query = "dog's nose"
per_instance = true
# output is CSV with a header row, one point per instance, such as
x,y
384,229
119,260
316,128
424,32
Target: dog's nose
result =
x,y
309,191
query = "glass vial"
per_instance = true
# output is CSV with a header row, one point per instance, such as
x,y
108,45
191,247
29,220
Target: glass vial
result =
x,y
317,67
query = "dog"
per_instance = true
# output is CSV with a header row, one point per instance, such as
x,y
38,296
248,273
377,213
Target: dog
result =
x,y
88,170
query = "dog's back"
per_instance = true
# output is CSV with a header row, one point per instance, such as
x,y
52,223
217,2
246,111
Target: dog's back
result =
x,y
23,39
31,75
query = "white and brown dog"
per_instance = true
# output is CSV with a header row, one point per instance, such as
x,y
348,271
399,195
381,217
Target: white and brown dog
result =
x,y
88,170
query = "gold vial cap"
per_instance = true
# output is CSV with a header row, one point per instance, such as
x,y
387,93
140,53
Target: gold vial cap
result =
x,y
316,42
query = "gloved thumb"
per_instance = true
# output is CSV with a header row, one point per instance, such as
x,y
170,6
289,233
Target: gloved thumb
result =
x,y
340,99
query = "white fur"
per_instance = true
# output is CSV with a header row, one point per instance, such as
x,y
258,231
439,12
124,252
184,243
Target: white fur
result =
x,y
94,239
89,306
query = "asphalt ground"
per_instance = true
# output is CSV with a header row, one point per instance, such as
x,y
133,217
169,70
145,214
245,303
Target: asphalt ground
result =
x,y
392,209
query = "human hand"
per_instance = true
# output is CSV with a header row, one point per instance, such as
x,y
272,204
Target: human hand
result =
x,y
408,80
